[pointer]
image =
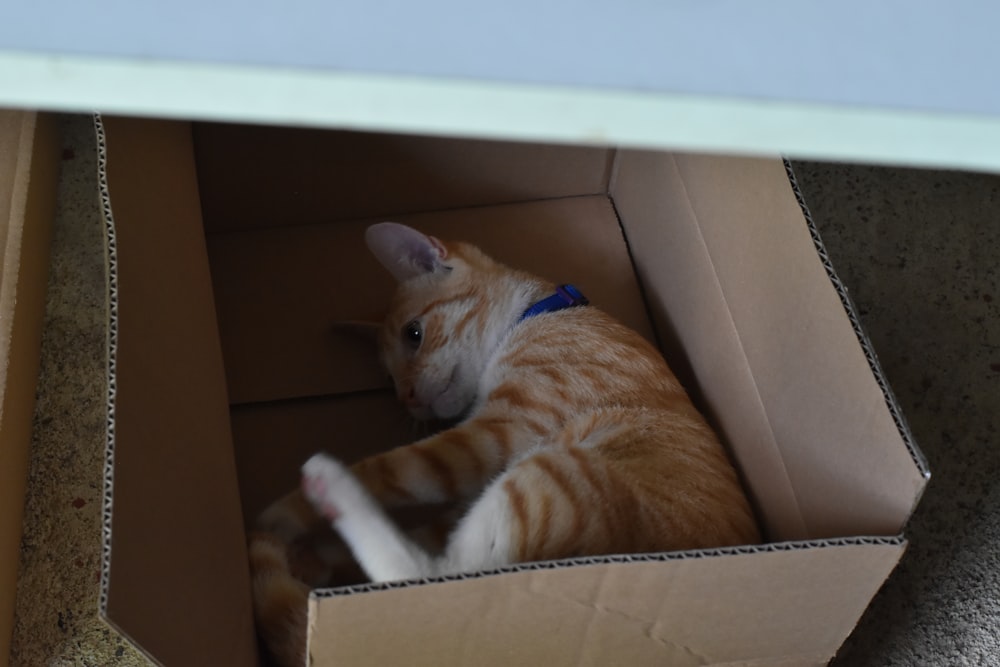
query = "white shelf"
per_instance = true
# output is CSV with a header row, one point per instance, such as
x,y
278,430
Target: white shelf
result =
x,y
896,82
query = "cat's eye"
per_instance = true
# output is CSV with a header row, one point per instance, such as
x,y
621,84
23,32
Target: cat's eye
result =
x,y
413,334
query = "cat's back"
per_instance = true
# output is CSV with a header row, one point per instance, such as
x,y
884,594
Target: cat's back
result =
x,y
602,406
580,359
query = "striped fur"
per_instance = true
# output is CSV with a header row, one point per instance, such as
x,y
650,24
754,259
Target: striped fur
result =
x,y
573,437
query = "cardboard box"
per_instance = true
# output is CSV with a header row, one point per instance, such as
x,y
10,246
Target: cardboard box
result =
x,y
29,169
233,251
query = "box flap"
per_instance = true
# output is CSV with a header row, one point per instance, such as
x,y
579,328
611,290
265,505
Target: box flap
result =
x,y
777,359
179,582
679,611
280,291
29,169
315,177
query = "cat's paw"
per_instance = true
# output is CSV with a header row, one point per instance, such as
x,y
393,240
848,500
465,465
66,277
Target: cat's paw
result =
x,y
322,478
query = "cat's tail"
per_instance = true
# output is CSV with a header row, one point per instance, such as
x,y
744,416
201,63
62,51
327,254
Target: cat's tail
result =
x,y
279,601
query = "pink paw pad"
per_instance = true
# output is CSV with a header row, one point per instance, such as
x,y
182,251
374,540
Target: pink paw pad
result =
x,y
315,486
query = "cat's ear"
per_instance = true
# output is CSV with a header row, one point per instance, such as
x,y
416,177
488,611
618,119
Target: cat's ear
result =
x,y
404,251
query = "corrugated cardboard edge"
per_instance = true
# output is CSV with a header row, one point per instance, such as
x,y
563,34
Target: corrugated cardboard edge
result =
x,y
111,251
25,264
111,262
895,541
919,460
136,599
636,608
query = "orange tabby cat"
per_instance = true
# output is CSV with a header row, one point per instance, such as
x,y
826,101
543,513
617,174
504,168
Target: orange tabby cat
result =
x,y
574,438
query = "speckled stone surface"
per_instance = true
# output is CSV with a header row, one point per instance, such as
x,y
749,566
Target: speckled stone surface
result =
x,y
919,251
57,622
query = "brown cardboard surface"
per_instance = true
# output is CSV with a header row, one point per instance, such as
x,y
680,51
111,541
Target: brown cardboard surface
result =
x,y
844,454
10,139
279,292
776,607
327,176
29,167
807,421
179,582
691,313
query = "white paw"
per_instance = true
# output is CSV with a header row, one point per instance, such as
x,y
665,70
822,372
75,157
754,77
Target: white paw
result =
x,y
325,482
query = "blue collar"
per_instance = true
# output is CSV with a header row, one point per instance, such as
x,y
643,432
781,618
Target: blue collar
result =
x,y
566,296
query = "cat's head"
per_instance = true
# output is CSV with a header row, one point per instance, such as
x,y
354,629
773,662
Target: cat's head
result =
x,y
434,341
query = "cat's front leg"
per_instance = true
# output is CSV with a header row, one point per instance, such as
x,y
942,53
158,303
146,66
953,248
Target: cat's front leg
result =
x,y
453,465
379,546
450,466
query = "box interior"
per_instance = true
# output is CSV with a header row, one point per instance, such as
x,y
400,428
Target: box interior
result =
x,y
238,248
